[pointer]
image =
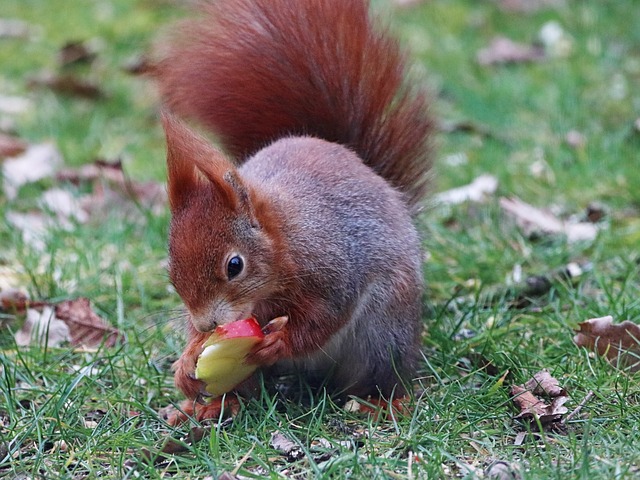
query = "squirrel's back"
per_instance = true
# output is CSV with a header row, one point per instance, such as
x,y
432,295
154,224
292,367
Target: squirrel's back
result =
x,y
254,71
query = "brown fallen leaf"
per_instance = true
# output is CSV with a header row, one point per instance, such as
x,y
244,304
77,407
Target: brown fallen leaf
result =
x,y
70,321
13,299
42,328
98,170
619,343
58,209
595,212
501,470
575,139
35,163
111,187
527,402
63,205
503,50
139,65
534,221
471,127
34,227
538,285
170,446
11,146
407,3
543,383
556,42
87,328
68,84
75,52
13,28
228,476
534,410
528,6
476,191
287,447
14,105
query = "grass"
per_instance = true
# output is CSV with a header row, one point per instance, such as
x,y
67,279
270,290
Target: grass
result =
x,y
76,414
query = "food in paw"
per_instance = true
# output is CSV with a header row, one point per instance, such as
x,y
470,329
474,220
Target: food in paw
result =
x,y
221,365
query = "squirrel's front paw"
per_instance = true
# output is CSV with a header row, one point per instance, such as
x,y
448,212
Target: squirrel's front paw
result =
x,y
271,349
185,378
219,408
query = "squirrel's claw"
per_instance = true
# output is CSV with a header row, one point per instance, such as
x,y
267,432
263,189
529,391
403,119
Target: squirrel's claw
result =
x,y
275,325
271,349
203,396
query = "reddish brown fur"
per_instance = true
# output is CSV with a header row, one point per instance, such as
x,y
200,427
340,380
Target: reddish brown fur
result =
x,y
263,87
217,408
327,241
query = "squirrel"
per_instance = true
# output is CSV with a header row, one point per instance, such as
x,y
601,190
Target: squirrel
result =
x,y
306,208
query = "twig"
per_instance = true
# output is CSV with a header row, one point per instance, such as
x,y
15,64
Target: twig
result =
x,y
578,408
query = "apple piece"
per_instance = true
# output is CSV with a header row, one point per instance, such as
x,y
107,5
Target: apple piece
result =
x,y
221,365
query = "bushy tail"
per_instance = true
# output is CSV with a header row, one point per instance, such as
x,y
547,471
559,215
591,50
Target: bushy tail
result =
x,y
254,71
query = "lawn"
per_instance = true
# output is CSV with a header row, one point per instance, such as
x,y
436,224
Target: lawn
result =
x,y
560,132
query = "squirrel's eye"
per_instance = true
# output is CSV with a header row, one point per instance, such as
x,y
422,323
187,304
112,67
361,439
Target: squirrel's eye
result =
x,y
234,267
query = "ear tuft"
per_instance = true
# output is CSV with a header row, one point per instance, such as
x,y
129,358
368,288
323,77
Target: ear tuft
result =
x,y
186,152
190,158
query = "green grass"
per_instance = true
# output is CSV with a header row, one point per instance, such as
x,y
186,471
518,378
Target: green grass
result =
x,y
102,405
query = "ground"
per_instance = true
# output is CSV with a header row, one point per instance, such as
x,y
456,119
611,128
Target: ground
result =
x,y
558,128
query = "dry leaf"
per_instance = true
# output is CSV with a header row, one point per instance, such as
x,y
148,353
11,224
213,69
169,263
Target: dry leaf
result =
x,y
87,328
68,84
75,52
112,187
619,343
575,139
37,162
476,191
64,205
69,321
171,446
595,212
501,470
556,42
11,146
33,225
42,328
59,208
286,447
528,6
527,402
14,105
227,476
139,65
533,409
12,28
407,3
504,50
14,300
534,221
538,285
543,383
467,126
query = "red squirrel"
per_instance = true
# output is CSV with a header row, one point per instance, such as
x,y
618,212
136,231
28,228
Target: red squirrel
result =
x,y
305,210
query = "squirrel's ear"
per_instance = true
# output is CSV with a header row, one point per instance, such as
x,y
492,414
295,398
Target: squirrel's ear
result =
x,y
183,146
188,156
